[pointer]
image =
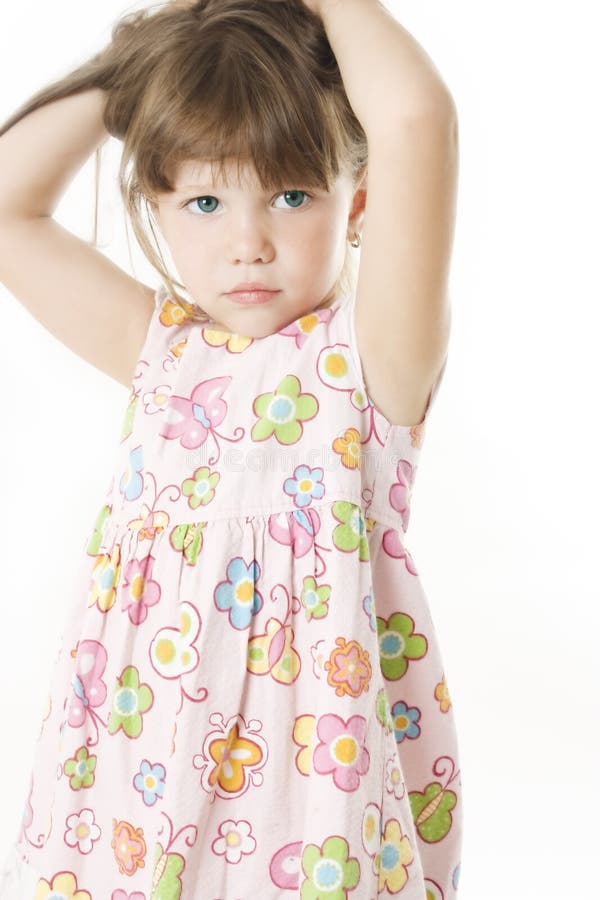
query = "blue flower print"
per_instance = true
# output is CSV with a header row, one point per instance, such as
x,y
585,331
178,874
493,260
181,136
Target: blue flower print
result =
x,y
369,608
132,483
238,594
150,782
456,877
405,721
305,485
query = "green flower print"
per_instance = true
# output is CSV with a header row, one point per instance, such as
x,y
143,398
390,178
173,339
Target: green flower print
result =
x,y
281,412
352,532
200,489
382,710
166,884
95,541
398,644
127,427
130,699
314,599
188,538
330,872
80,769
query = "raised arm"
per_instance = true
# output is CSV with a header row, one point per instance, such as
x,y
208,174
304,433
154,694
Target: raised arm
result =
x,y
402,310
368,40
77,293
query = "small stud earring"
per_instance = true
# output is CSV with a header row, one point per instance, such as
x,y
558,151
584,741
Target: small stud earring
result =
x,y
356,241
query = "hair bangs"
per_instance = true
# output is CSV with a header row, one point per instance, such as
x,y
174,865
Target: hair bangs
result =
x,y
231,111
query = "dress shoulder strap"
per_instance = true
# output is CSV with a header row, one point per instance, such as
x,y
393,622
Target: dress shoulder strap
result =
x,y
163,344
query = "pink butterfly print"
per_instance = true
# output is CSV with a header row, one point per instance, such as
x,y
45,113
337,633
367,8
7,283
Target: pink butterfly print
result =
x,y
296,528
400,497
393,546
89,689
401,491
192,418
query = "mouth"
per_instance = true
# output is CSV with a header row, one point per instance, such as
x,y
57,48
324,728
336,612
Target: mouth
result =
x,y
252,297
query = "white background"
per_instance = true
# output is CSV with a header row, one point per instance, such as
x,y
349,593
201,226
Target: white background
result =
x,y
504,523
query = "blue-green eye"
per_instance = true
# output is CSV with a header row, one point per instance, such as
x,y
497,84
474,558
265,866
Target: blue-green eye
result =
x,y
292,195
202,200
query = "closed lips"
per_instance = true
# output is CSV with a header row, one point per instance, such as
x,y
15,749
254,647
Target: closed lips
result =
x,y
251,286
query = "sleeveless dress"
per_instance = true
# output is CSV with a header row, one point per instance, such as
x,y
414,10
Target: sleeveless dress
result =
x,y
248,700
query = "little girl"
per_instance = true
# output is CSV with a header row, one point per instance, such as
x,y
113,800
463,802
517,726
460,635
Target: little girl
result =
x,y
249,700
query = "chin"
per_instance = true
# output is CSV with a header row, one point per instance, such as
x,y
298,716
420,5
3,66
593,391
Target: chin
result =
x,y
262,332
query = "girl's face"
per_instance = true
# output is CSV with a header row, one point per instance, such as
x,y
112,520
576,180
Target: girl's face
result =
x,y
293,241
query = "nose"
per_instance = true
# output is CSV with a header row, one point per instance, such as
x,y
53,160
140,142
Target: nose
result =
x,y
250,242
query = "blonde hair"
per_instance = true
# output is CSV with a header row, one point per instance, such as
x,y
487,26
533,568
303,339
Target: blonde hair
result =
x,y
218,80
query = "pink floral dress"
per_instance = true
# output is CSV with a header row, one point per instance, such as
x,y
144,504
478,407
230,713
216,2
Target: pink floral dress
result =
x,y
249,699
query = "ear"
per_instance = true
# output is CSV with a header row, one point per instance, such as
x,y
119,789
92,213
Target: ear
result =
x,y
359,200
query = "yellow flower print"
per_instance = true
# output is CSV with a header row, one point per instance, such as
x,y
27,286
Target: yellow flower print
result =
x,y
105,576
441,694
63,884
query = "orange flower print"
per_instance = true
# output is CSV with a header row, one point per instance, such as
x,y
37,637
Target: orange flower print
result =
x,y
129,847
348,669
349,448
232,756
172,313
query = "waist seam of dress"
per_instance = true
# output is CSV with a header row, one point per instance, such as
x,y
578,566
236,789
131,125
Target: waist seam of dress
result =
x,y
117,521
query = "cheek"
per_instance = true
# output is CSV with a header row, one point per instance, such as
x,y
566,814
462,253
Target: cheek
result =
x,y
321,239
184,246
